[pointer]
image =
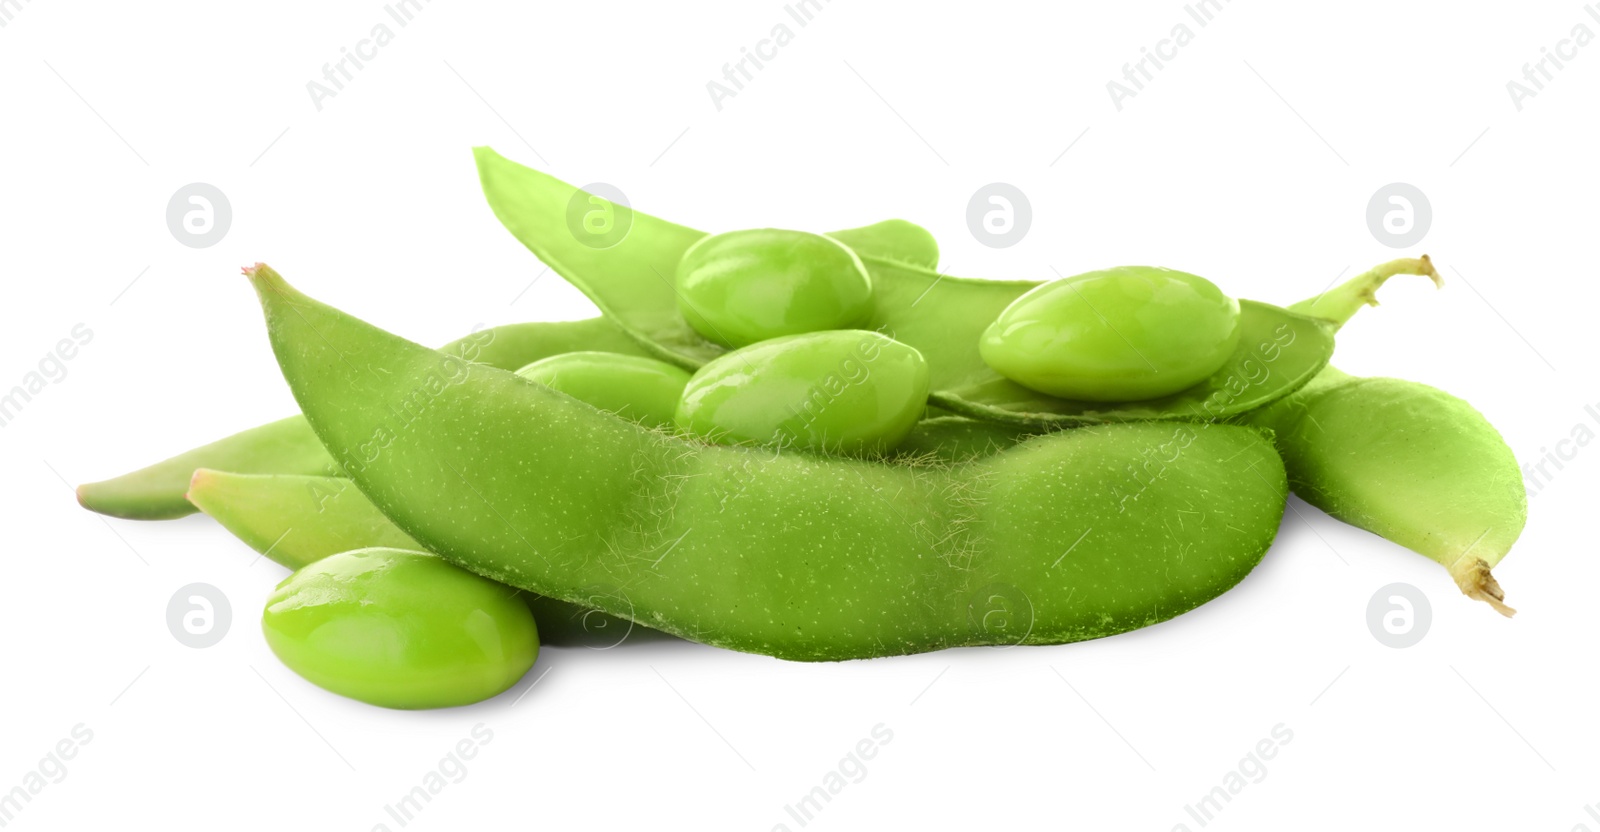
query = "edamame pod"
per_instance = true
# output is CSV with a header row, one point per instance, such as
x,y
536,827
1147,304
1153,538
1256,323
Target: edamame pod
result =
x,y
899,240
156,492
292,519
1070,536
1408,462
955,439
299,520
288,446
939,315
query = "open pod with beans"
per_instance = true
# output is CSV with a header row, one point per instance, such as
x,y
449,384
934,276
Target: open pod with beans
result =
x,y
809,446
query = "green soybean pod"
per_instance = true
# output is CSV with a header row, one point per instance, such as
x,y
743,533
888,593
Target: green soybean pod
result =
x,y
1402,460
297,520
952,439
898,240
746,286
1116,335
1073,535
156,492
400,629
293,519
642,389
288,446
1410,463
845,391
653,248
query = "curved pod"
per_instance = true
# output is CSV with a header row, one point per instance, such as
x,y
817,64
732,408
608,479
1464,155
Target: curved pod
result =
x,y
1078,535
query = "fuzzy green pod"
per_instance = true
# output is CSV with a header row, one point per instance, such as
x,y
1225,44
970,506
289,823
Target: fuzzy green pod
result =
x,y
1402,460
1065,537
293,519
1410,463
298,520
939,315
954,439
288,446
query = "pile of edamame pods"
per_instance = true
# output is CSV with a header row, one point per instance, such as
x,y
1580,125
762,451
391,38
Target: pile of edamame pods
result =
x,y
809,446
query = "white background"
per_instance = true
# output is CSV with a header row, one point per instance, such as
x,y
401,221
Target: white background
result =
x,y
1250,159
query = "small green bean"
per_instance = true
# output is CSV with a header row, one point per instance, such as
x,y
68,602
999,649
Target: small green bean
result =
x,y
846,391
742,287
639,388
400,629
1117,335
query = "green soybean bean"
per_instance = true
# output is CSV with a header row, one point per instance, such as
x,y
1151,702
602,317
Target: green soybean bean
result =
x,y
400,629
639,388
1402,460
846,391
1064,537
746,286
288,446
1115,335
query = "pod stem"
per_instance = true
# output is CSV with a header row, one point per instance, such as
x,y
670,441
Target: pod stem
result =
x,y
1477,582
1342,302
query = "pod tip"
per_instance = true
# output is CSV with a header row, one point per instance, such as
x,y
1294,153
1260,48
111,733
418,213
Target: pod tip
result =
x,y
1477,582
197,480
1431,272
